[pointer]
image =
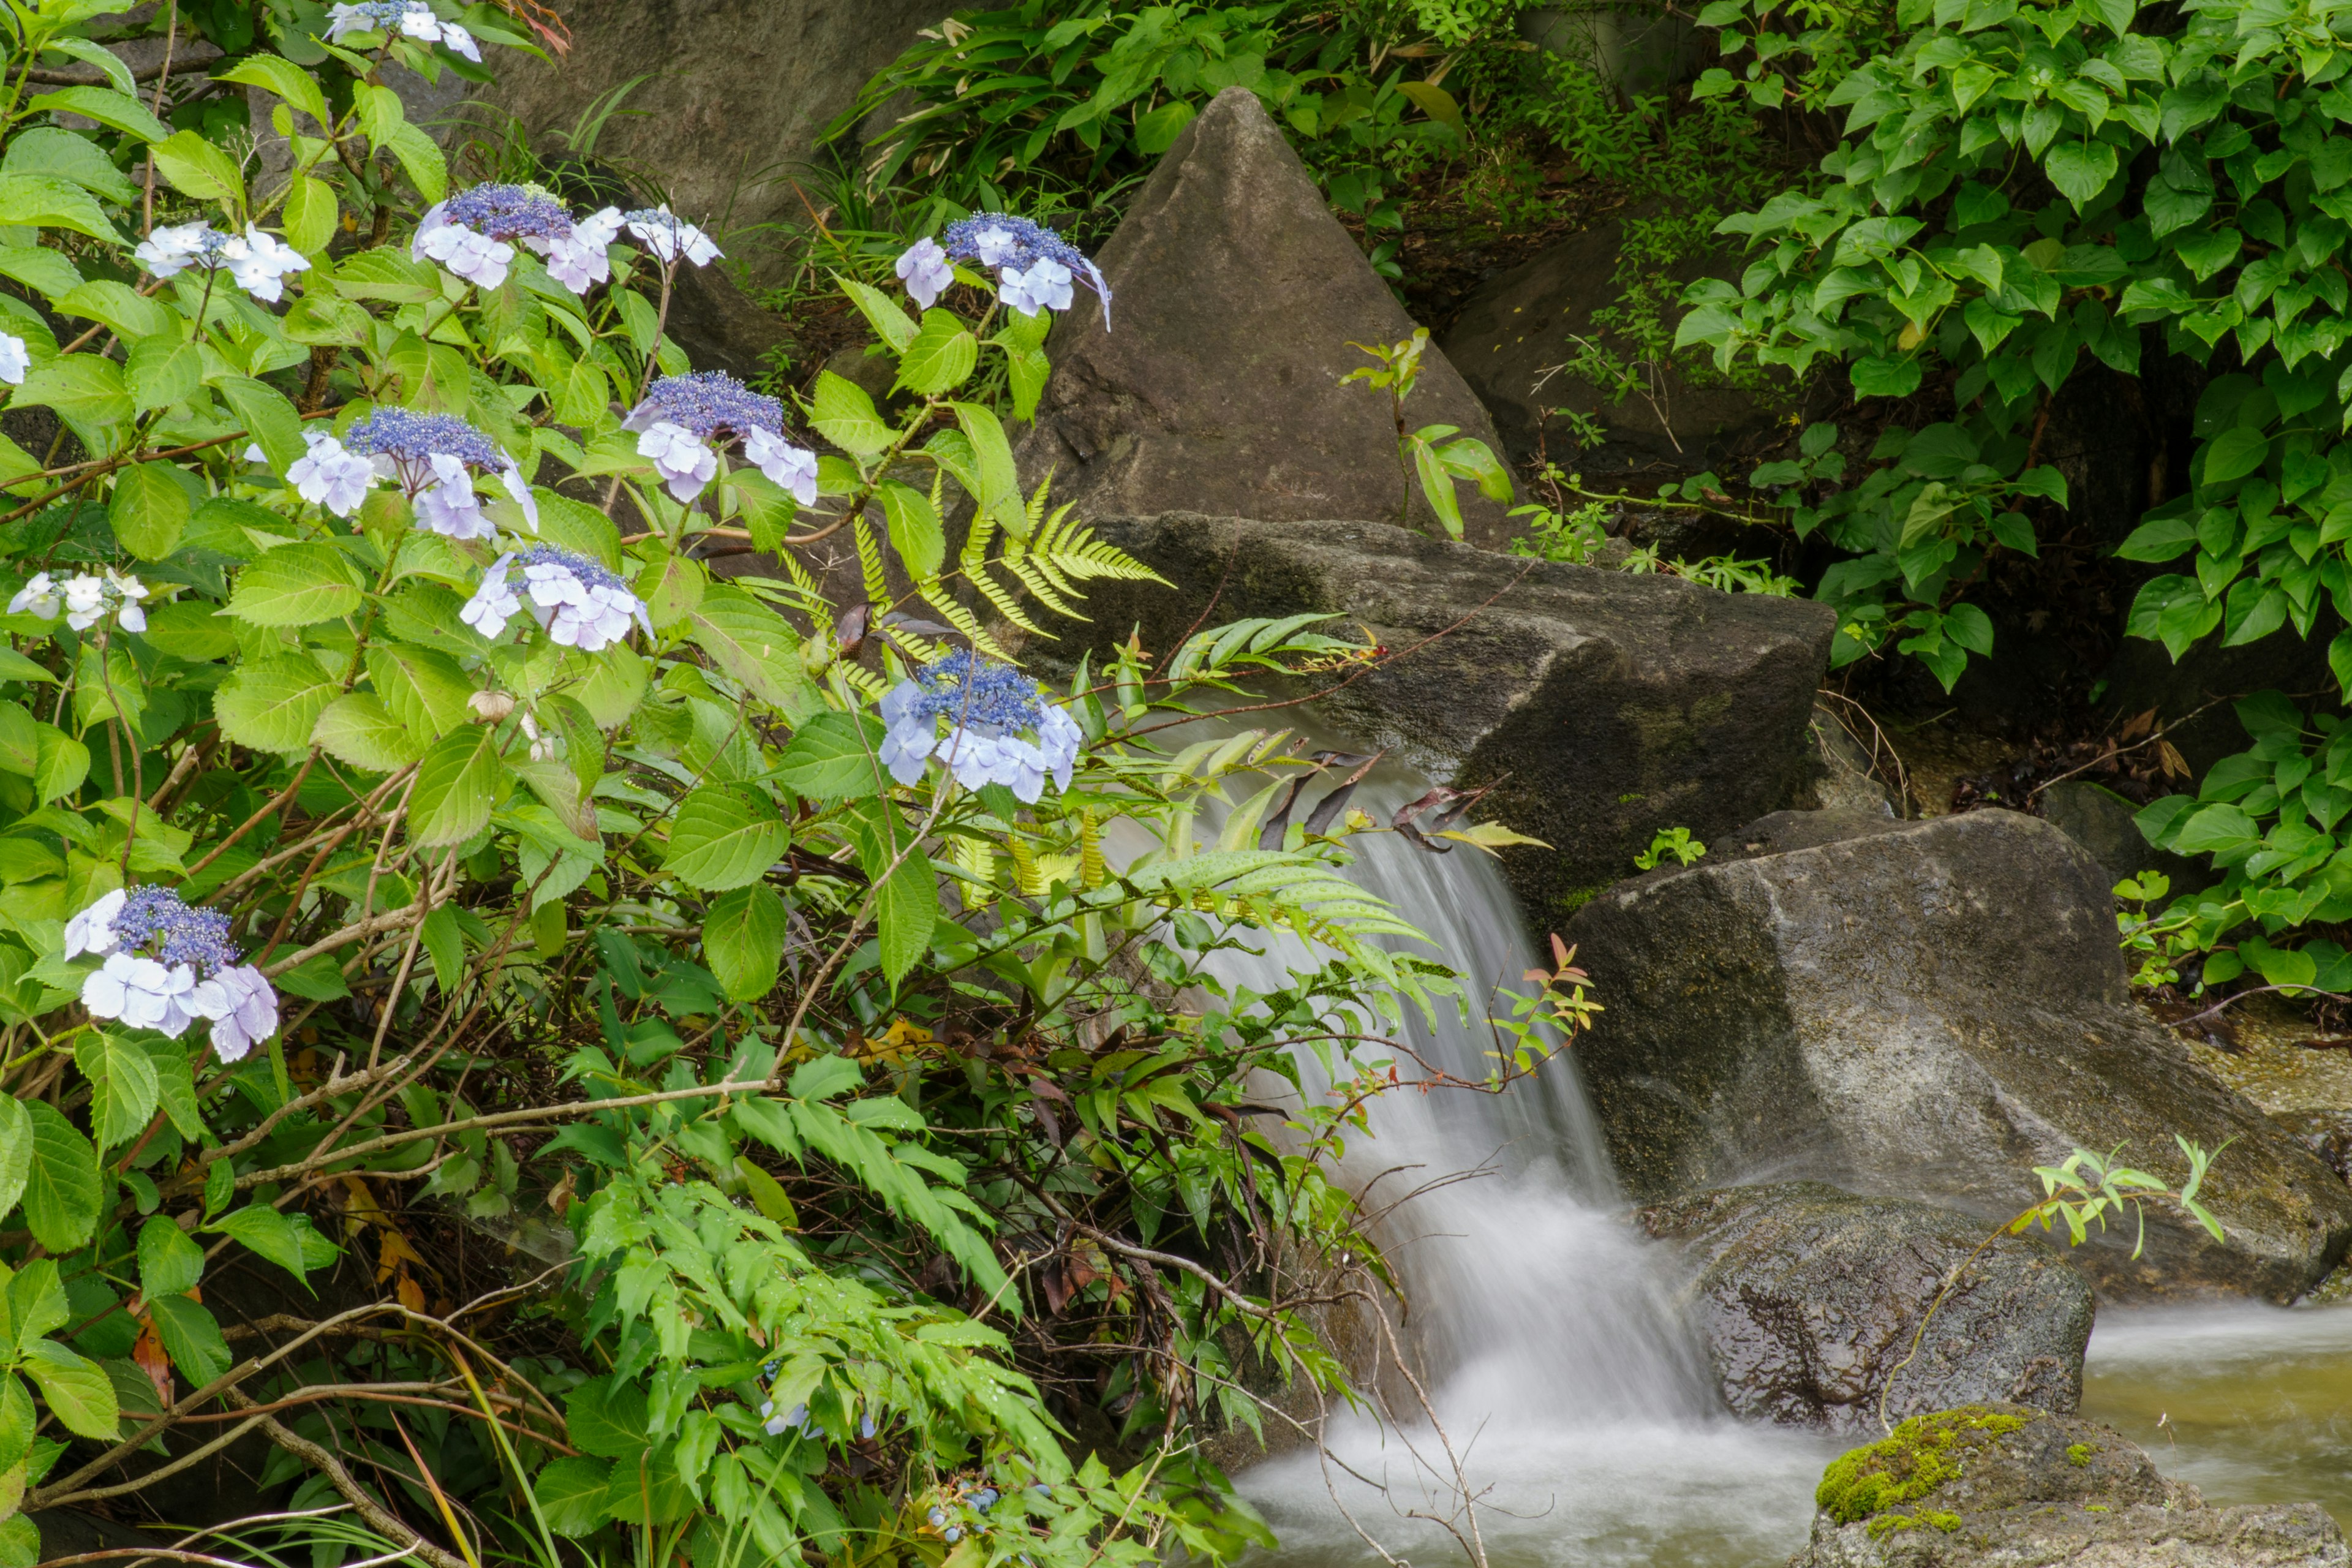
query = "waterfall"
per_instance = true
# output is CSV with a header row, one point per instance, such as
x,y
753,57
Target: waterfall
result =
x,y
1561,1363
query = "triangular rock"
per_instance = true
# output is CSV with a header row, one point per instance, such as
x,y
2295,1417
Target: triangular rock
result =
x,y
1216,388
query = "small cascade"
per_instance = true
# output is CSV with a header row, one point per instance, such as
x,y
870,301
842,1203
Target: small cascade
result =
x,y
1560,1364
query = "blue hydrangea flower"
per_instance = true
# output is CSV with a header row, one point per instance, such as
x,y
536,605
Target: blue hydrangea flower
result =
x,y
682,415
168,964
1033,265
258,261
430,455
413,18
474,233
1000,727
670,237
580,603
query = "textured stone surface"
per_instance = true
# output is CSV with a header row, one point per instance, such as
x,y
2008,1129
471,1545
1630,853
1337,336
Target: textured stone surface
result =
x,y
1216,388
1516,335
2102,822
1926,1010
735,92
2011,1486
1811,1299
2326,1133
1609,706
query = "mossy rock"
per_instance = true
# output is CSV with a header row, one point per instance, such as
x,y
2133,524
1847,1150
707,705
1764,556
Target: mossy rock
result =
x,y
2009,1485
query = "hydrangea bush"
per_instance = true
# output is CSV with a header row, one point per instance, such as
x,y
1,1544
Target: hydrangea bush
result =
x,y
408,831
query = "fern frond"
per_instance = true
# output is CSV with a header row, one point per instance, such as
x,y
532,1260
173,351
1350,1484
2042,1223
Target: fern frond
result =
x,y
869,564
1007,605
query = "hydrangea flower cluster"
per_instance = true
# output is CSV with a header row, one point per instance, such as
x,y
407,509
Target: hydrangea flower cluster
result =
x,y
580,603
258,261
431,455
474,233
167,965
1001,730
1033,265
13,361
670,237
412,18
682,415
86,600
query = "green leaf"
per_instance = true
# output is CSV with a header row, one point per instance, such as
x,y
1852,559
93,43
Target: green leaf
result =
x,y
199,169
2234,454
15,1150
108,63
61,1188
570,1494
312,215
86,387
47,271
421,688
445,944
163,370
2080,169
822,1077
725,837
1157,131
941,358
116,111
296,585
905,911
192,629
1436,485
356,729
828,760
149,508
20,1543
54,151
132,314
289,81
743,940
274,705
268,1234
422,162
123,1087
890,323
606,1419
753,644
77,1389
916,532
169,1261
268,416
44,200
64,763
843,415
457,784
191,1337
999,494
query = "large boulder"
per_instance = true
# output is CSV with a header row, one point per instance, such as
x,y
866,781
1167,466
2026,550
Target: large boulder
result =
x,y
1216,388
1602,706
729,95
1925,1009
1517,336
2005,1485
1811,1301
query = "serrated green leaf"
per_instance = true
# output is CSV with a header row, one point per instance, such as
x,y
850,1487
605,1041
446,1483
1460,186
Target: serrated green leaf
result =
x,y
61,1188
121,1084
296,585
149,508
356,728
753,644
274,705
843,415
828,760
743,940
725,837
940,357
77,1389
457,784
169,1261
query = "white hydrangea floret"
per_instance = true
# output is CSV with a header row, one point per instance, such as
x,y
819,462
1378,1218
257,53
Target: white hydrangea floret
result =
x,y
494,603
684,459
92,930
13,361
327,475
1046,286
450,505
926,271
791,469
579,261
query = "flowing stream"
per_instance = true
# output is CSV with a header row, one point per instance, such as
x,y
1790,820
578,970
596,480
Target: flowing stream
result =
x,y
1559,1363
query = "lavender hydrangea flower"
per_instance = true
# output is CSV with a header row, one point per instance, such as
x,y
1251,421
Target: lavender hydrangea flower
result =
x,y
670,237
925,270
682,415
1034,266
169,964
474,233
84,599
326,475
1001,730
412,18
432,457
257,261
580,603
13,361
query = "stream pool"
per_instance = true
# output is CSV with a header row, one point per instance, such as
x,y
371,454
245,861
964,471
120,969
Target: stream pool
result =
x,y
2249,1404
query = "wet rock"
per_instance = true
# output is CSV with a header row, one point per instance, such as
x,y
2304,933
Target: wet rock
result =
x,y
1925,1010
1517,336
731,95
2005,1484
1602,706
1811,1300
2104,823
1846,768
2326,1133
1217,388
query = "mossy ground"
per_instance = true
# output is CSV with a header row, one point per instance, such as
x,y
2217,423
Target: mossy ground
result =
x,y
1908,1465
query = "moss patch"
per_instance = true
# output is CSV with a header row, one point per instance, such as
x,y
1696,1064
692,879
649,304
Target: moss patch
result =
x,y
2079,1454
1917,1458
